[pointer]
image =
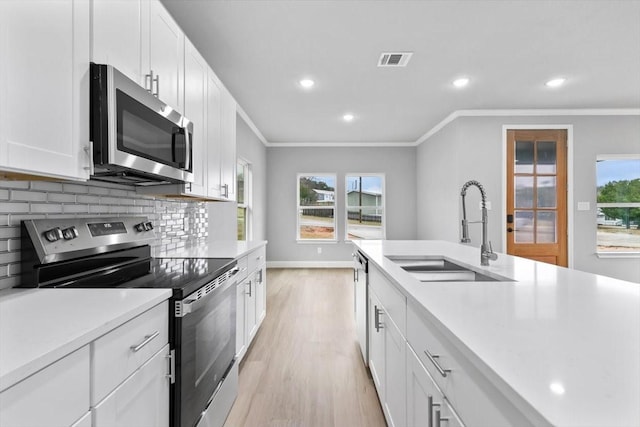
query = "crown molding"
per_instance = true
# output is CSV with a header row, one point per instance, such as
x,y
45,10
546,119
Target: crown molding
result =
x,y
251,125
532,113
340,144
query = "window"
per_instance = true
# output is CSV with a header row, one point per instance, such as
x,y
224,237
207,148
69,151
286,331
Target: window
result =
x,y
244,212
618,186
316,207
365,207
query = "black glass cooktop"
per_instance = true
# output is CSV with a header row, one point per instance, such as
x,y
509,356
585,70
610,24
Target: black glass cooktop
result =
x,y
183,275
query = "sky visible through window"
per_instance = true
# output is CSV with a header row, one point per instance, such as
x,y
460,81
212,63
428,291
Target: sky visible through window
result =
x,y
617,170
371,184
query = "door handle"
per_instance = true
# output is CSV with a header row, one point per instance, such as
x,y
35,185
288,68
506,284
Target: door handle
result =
x,y
509,230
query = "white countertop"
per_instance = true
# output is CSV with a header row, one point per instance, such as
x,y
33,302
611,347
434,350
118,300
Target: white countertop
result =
x,y
565,341
40,326
214,249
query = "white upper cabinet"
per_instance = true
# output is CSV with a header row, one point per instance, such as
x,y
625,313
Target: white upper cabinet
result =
x,y
195,109
141,39
166,56
118,35
214,106
44,88
228,146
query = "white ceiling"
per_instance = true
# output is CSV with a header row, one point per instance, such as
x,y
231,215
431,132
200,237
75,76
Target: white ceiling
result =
x,y
260,49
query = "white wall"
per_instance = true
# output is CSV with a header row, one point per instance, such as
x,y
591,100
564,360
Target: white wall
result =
x,y
471,148
222,215
284,163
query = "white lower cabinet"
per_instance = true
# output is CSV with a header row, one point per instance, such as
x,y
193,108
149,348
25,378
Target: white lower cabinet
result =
x,y
426,405
141,400
131,372
422,374
251,299
58,395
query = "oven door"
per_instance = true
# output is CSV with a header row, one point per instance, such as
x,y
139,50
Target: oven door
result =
x,y
205,342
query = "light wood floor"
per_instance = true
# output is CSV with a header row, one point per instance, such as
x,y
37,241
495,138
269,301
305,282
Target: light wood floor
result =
x,y
304,368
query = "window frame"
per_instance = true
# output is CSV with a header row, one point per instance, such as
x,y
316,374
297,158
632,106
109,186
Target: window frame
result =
x,y
614,254
248,229
299,207
383,223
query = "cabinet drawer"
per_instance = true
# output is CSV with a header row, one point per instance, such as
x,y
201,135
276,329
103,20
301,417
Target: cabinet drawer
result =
x,y
477,401
257,258
243,268
394,302
142,400
58,395
119,353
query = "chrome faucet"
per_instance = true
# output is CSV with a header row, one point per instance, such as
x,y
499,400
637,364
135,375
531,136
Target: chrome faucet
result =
x,y
486,251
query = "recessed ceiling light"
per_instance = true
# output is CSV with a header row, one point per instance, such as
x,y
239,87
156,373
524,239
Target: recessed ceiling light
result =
x,y
556,82
307,83
461,82
348,117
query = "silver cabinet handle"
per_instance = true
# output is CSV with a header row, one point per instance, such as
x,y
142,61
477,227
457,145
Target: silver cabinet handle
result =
x,y
172,366
249,283
432,358
149,78
147,340
430,405
226,190
157,80
378,312
439,418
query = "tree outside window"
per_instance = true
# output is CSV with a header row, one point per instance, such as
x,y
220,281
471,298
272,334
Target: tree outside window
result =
x,y
618,189
316,207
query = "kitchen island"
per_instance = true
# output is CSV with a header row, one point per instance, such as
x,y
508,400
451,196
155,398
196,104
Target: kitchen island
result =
x,y
546,345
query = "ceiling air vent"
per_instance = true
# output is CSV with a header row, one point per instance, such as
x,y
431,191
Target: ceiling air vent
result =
x,y
394,59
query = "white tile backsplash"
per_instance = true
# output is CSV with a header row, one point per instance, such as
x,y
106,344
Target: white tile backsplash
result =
x,y
178,223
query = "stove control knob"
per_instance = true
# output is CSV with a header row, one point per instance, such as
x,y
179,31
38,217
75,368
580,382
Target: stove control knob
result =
x,y
53,235
140,227
70,233
148,225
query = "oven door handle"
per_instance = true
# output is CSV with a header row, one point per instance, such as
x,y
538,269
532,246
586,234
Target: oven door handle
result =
x,y
190,305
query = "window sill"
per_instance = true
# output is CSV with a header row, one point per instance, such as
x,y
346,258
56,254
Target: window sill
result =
x,y
618,254
313,242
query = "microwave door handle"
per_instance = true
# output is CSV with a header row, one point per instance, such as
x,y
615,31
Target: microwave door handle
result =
x,y
188,154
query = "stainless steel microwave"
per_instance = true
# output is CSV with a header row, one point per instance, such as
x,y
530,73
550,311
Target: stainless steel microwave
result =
x,y
137,139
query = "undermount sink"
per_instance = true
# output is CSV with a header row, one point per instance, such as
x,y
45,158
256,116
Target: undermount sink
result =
x,y
438,269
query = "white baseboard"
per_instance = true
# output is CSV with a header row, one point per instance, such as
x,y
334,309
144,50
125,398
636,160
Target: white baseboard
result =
x,y
309,264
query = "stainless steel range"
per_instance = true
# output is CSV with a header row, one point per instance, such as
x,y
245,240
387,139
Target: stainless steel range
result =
x,y
116,253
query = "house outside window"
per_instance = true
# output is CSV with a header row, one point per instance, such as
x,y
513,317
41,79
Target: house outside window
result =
x,y
365,206
618,203
244,211
316,207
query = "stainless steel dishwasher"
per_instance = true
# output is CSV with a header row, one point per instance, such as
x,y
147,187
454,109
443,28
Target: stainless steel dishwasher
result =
x,y
360,298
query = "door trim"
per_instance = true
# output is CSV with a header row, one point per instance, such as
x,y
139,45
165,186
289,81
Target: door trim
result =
x,y
503,220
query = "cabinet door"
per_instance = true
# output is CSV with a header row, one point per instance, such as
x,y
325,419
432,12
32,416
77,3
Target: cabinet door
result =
x,y
195,109
142,400
118,37
228,146
423,395
261,295
58,395
166,56
250,309
44,88
376,343
426,406
395,374
214,143
240,321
